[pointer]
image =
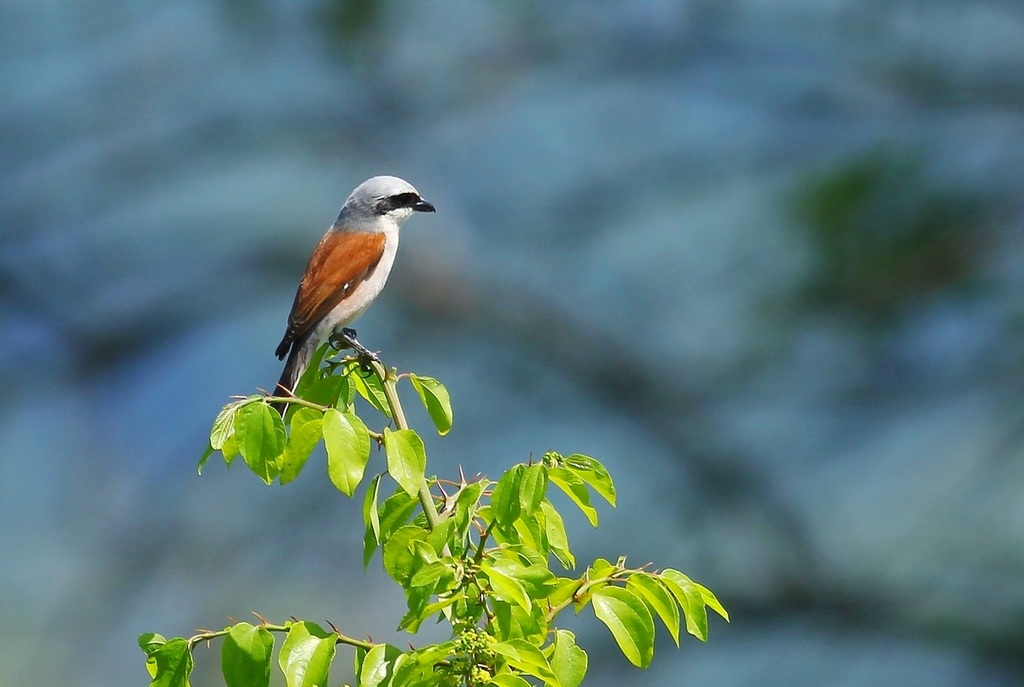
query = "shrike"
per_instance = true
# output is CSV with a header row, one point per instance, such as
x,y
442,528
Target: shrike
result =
x,y
347,270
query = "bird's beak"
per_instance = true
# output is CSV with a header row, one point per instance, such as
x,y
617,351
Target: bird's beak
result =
x,y
422,206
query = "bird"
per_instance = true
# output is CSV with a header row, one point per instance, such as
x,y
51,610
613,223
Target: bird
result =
x,y
346,272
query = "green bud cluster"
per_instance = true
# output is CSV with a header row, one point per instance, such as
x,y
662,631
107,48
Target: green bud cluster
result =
x,y
474,659
552,458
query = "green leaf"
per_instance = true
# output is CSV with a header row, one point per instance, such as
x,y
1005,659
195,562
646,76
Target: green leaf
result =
x,y
501,535
466,504
224,425
401,556
434,577
416,668
536,579
504,585
441,535
629,621
368,385
303,436
315,384
429,575
601,568
261,439
711,601
344,397
377,665
509,680
532,533
558,540
417,599
348,449
526,556
574,487
593,473
658,598
204,458
306,655
505,502
532,485
312,370
563,590
245,656
395,512
515,622
568,661
524,656
169,663
435,399
357,660
371,518
150,643
230,449
407,458
691,601
412,623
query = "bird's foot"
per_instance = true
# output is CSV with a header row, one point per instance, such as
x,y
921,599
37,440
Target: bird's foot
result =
x,y
345,339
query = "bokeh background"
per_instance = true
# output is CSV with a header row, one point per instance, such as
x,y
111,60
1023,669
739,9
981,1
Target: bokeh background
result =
x,y
763,259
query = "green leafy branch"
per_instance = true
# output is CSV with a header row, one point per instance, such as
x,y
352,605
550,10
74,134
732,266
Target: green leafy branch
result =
x,y
476,554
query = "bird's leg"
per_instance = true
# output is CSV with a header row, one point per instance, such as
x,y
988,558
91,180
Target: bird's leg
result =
x,y
345,338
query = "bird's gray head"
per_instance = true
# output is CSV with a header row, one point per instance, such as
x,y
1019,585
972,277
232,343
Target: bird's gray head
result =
x,y
382,198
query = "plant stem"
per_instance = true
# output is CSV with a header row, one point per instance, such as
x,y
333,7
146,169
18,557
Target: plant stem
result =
x,y
390,384
295,401
583,588
342,639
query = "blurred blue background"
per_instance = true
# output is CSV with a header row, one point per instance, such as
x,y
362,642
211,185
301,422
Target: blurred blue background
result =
x,y
764,260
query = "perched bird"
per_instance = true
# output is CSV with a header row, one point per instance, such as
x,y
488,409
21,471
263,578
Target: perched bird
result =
x,y
347,271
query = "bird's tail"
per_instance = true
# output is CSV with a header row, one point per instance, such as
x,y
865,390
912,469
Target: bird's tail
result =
x,y
298,360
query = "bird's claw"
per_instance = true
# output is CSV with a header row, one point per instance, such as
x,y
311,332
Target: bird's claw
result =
x,y
345,339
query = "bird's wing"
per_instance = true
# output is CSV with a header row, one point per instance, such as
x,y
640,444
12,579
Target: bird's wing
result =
x,y
341,262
